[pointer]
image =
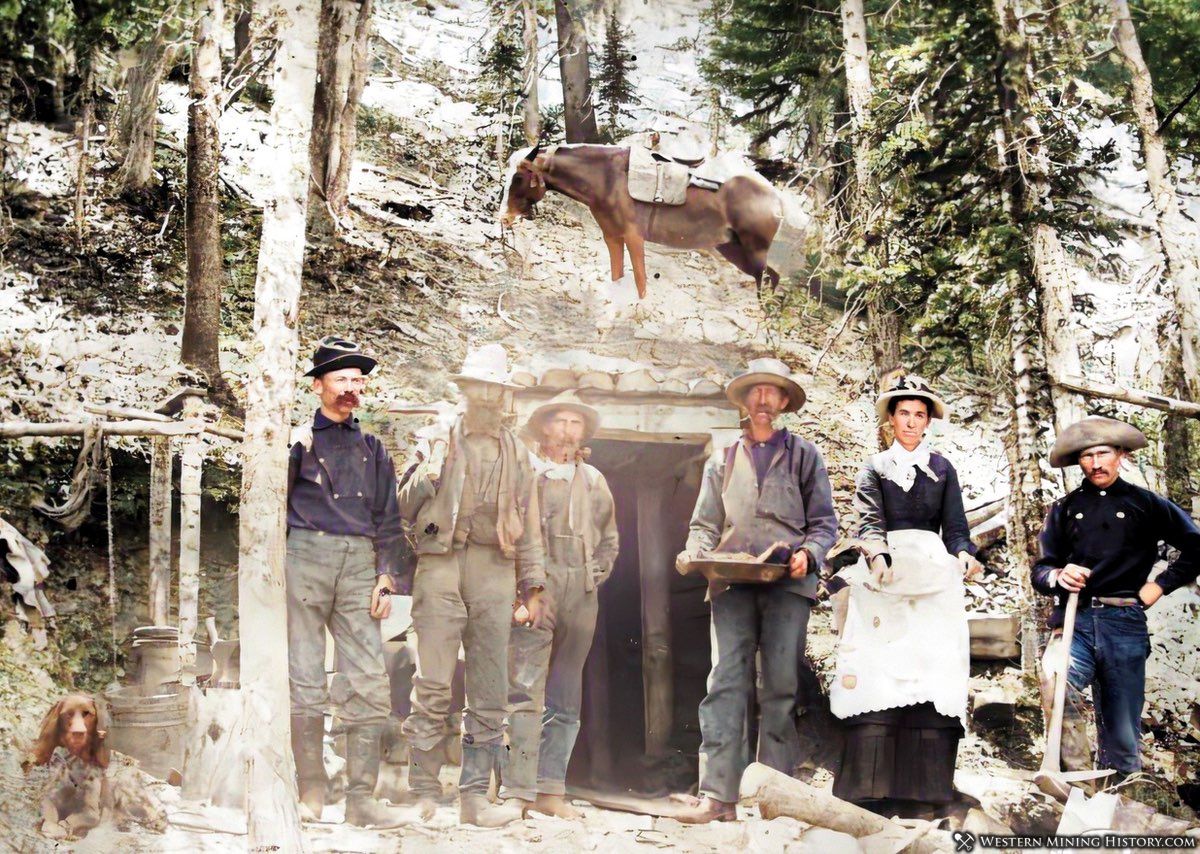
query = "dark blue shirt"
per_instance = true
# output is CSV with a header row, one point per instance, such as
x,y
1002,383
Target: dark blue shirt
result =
x,y
1115,533
763,452
345,484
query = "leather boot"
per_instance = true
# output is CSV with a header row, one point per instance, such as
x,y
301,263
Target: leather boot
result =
x,y
362,773
709,809
308,747
473,805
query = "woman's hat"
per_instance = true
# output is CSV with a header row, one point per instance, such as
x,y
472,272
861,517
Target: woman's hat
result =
x,y
1091,432
909,385
486,364
766,372
335,353
564,400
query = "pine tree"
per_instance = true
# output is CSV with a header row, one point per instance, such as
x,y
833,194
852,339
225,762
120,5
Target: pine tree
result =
x,y
614,86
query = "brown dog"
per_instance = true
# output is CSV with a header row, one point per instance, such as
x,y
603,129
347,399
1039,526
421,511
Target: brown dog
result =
x,y
83,789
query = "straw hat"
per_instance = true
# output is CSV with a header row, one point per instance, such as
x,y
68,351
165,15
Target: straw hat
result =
x,y
1089,433
486,364
563,400
909,385
769,372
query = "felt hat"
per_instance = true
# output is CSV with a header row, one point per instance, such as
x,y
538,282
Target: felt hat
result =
x,y
766,372
486,364
563,400
909,385
1091,432
335,353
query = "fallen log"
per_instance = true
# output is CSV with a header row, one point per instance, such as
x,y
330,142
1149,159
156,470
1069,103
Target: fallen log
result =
x,y
22,429
1125,394
978,515
776,794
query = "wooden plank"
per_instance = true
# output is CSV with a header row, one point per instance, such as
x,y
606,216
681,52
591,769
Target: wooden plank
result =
x,y
160,530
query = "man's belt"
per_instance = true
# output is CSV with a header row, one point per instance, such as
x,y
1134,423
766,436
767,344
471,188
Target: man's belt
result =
x,y
1112,602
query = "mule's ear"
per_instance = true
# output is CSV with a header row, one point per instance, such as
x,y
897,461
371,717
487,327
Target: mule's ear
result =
x,y
47,739
100,749
533,152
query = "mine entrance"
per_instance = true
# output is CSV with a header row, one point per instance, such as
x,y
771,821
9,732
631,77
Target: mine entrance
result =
x,y
645,676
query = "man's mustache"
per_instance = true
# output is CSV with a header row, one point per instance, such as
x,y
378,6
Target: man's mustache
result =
x,y
347,398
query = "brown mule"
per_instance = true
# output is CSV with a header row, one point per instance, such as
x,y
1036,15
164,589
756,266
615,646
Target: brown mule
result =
x,y
739,220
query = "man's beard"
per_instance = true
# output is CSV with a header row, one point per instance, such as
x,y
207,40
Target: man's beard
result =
x,y
484,418
561,451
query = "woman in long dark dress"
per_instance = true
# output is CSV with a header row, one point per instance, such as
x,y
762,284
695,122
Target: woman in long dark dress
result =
x,y
903,661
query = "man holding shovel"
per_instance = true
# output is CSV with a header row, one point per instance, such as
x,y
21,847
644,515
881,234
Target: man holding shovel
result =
x,y
1099,545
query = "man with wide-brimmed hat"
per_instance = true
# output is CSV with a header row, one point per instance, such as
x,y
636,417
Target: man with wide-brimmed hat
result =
x,y
579,529
1102,541
768,491
343,546
475,520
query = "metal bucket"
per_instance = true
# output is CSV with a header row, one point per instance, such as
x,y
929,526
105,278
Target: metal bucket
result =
x,y
150,728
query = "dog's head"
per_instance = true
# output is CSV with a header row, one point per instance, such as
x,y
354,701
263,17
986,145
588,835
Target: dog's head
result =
x,y
80,725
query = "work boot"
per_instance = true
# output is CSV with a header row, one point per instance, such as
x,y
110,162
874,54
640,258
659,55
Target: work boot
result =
x,y
709,809
475,808
478,762
424,767
308,746
556,805
362,772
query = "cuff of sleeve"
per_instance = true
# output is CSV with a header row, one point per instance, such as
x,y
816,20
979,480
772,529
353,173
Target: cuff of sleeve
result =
x,y
1168,585
528,585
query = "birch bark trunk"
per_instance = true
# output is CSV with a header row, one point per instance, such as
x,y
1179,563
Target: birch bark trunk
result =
x,y
1179,236
205,267
272,818
530,107
160,530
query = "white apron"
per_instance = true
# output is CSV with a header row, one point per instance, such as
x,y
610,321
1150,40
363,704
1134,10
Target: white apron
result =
x,y
908,642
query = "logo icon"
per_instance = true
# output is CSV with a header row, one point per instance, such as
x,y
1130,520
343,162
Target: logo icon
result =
x,y
964,840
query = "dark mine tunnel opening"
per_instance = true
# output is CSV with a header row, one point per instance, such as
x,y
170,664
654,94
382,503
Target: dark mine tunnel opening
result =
x,y
646,673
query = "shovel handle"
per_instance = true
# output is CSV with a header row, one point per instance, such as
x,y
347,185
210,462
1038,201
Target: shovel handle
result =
x,y
1051,760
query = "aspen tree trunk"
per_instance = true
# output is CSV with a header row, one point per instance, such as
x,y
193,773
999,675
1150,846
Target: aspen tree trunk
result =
x,y
272,818
138,123
160,530
579,112
1051,271
530,107
202,218
1179,235
342,59
1026,497
337,192
882,322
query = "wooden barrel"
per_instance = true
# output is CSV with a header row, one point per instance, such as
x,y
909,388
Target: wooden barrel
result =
x,y
150,728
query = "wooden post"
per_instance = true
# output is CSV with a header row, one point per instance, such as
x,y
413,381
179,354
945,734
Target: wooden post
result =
x,y
272,820
656,564
190,471
160,530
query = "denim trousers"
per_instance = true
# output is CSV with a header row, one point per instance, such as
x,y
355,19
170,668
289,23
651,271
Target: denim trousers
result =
x,y
546,688
1108,654
749,620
